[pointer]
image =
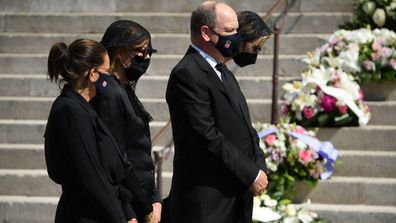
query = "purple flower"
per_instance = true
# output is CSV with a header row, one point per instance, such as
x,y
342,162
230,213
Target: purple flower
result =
x,y
328,103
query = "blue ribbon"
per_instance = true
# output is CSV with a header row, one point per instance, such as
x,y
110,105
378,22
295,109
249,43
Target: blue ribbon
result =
x,y
325,149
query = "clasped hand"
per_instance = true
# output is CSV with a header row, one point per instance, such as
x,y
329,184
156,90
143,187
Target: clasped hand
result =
x,y
261,183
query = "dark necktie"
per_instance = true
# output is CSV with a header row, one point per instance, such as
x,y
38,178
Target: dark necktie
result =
x,y
225,77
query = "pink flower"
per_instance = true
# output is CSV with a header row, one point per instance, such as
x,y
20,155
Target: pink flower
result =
x,y
343,109
369,65
300,130
376,56
305,156
308,112
392,63
328,103
324,47
361,95
270,139
376,46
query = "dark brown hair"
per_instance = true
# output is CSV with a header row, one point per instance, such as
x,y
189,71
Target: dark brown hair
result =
x,y
73,61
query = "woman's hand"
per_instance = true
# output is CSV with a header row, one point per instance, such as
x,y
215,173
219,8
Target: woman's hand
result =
x,y
157,208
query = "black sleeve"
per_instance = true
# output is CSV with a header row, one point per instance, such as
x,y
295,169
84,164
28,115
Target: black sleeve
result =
x,y
156,195
81,154
190,100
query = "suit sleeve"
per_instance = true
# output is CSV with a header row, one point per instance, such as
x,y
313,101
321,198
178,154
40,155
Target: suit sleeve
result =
x,y
89,175
190,101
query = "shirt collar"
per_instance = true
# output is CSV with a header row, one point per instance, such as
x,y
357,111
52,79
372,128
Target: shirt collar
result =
x,y
206,56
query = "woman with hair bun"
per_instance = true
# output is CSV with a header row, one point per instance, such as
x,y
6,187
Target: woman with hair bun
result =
x,y
80,152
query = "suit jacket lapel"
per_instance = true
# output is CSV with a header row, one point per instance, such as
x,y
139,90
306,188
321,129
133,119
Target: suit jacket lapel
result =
x,y
242,104
212,76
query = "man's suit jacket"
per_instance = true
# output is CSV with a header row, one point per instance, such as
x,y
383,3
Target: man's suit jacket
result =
x,y
217,157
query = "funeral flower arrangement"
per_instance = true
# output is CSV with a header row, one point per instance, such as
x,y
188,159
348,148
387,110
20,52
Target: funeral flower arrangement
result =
x,y
292,155
373,14
329,94
365,54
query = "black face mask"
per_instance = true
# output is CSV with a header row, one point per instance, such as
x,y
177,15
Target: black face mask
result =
x,y
228,45
244,59
139,67
102,82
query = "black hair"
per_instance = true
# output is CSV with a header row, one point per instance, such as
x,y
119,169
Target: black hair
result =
x,y
252,26
122,35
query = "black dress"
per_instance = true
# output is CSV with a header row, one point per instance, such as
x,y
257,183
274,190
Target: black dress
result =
x,y
84,159
128,122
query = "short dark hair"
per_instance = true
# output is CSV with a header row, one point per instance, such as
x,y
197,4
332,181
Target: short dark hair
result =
x,y
73,61
202,16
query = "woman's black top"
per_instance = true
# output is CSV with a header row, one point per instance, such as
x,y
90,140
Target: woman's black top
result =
x,y
82,156
121,110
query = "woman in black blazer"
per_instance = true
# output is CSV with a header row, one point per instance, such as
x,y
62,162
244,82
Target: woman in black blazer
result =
x,y
129,48
81,155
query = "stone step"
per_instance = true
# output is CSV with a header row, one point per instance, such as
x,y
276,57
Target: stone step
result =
x,y
165,43
32,131
163,6
355,190
162,65
364,138
260,109
17,209
22,156
372,137
149,86
27,183
155,22
345,190
343,213
31,156
357,163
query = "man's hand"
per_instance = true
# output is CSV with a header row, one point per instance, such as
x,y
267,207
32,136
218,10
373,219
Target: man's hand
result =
x,y
261,183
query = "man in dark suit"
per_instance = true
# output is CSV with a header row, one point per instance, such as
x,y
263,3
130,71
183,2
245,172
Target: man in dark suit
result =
x,y
218,165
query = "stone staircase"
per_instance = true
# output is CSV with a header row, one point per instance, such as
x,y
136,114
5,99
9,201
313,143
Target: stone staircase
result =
x,y
361,190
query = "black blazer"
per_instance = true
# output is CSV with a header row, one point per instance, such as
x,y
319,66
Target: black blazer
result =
x,y
82,156
130,131
217,156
